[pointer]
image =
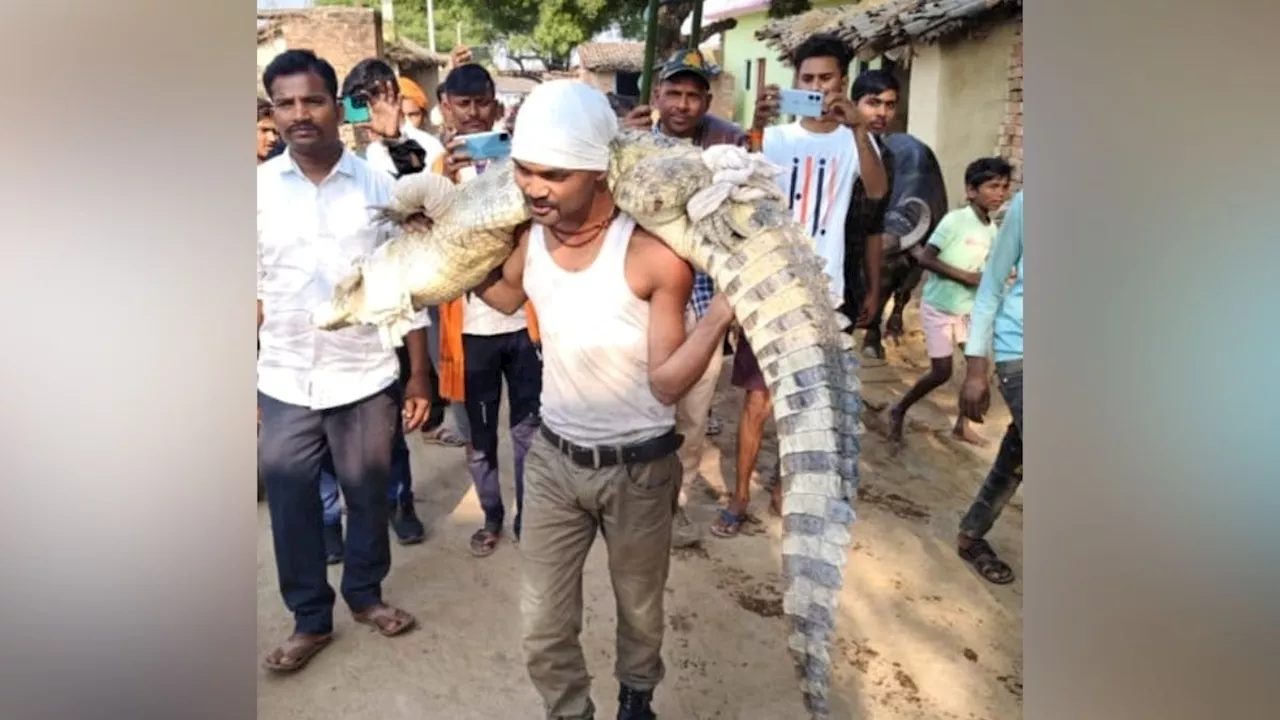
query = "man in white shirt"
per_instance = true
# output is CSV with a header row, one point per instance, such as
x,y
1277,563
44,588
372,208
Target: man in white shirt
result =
x,y
821,159
321,394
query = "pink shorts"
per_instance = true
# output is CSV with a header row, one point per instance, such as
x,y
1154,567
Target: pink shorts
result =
x,y
943,332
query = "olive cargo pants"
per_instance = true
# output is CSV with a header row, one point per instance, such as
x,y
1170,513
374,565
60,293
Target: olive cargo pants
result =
x,y
565,505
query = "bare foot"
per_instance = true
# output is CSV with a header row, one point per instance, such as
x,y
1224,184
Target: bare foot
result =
x,y
966,434
775,500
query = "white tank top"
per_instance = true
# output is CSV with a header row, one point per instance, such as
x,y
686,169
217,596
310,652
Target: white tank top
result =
x,y
595,345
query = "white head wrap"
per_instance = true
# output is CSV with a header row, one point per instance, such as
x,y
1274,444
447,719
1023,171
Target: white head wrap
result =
x,y
565,124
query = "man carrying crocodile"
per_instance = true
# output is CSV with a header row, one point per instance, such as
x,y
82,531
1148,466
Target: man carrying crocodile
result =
x,y
611,302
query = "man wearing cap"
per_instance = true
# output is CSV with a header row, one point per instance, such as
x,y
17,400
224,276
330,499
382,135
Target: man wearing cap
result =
x,y
617,356
682,97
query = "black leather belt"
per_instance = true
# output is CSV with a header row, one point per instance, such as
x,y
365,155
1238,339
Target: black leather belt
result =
x,y
608,456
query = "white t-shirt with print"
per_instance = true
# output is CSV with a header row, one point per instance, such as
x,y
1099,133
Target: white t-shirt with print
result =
x,y
818,173
478,317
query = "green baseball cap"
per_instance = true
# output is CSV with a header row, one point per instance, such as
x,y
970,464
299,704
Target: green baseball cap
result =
x,y
687,61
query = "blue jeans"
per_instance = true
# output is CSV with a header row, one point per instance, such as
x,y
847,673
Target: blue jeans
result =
x,y
1006,472
399,489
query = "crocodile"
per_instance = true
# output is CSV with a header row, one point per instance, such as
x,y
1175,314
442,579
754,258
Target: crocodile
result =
x,y
722,211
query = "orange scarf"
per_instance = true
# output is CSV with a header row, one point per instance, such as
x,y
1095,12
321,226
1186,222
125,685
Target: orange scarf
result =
x,y
452,370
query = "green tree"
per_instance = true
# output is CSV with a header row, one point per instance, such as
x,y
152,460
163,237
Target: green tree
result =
x,y
787,8
546,30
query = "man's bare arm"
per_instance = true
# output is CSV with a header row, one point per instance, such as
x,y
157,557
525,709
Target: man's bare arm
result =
x,y
873,263
928,259
870,167
677,361
503,290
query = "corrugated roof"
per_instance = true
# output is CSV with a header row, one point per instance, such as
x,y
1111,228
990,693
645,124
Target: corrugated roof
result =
x,y
896,23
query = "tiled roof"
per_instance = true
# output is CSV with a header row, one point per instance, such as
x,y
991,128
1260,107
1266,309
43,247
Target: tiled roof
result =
x,y
611,56
893,24
403,51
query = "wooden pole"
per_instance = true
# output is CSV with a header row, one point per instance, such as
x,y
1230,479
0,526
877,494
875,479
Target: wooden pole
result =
x,y
756,135
650,49
695,30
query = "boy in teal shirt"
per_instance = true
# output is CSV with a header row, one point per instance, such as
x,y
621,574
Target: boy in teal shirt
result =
x,y
954,256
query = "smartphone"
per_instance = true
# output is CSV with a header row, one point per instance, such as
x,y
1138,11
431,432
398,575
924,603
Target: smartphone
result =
x,y
801,103
494,145
481,54
355,110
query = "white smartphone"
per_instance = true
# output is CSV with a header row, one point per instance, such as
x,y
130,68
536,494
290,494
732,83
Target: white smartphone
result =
x,y
801,103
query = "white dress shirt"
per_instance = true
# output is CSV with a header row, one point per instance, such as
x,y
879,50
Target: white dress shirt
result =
x,y
309,235
380,159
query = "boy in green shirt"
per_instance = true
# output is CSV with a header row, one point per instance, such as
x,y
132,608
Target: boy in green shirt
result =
x,y
954,256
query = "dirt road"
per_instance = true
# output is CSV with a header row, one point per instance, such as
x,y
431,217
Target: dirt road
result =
x,y
920,636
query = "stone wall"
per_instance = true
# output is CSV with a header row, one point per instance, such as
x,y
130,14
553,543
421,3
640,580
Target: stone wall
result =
x,y
1009,145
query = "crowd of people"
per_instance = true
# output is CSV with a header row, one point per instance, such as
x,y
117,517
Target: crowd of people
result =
x,y
609,345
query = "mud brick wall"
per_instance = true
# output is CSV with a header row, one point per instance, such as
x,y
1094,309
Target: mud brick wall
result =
x,y
1009,146
342,35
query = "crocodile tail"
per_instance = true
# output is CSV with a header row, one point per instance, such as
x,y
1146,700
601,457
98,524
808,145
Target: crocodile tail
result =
x,y
779,293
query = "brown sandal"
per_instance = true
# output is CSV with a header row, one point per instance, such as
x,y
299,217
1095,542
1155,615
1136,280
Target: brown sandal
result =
x,y
387,620
294,654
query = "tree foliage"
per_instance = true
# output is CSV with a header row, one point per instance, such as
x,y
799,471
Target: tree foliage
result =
x,y
546,30
787,8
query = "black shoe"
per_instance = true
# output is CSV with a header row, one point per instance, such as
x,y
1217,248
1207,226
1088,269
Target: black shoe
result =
x,y
407,526
634,704
334,548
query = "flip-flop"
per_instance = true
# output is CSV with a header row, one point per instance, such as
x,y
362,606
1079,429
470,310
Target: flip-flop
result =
x,y
983,559
443,436
298,650
404,621
728,525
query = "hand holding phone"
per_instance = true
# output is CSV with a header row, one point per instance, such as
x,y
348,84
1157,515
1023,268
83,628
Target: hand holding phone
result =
x,y
766,106
456,156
